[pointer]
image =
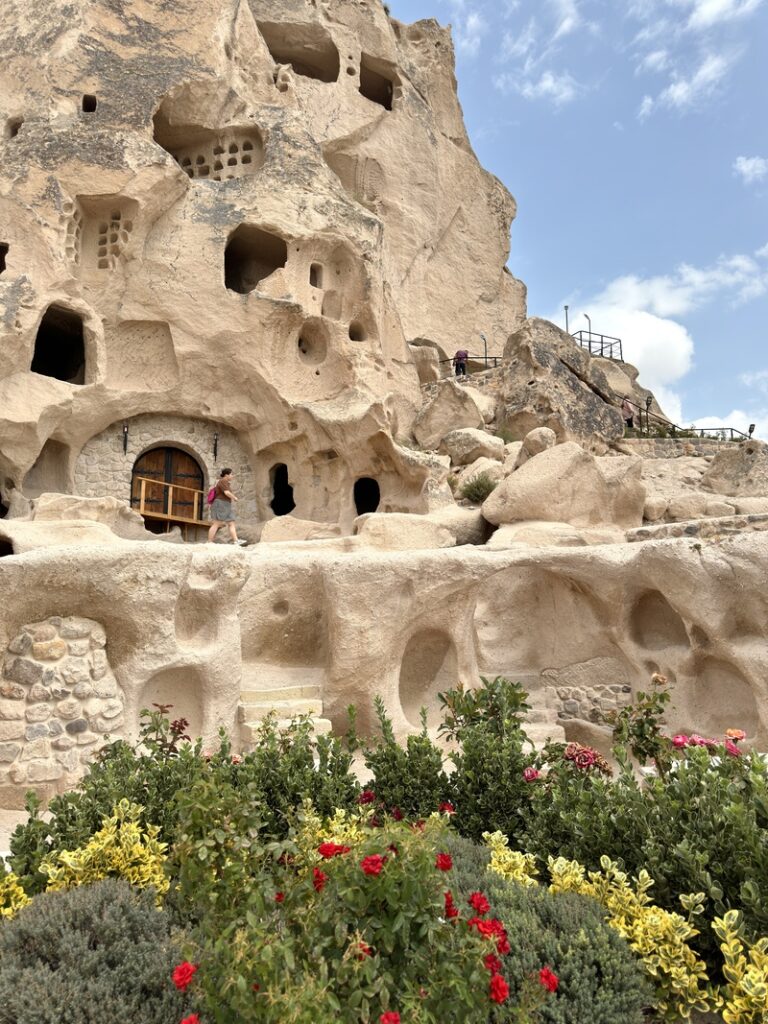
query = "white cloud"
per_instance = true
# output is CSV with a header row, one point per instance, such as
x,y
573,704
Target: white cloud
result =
x,y
568,17
516,46
559,89
685,92
688,287
656,60
740,420
762,252
646,108
469,32
757,380
750,168
707,13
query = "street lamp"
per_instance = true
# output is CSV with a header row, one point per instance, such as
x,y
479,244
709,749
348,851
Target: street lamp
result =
x,y
589,321
566,320
485,348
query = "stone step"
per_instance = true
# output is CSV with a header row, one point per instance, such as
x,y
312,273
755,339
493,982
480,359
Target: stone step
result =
x,y
249,730
253,710
261,675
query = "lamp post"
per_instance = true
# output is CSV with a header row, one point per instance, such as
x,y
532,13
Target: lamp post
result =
x,y
485,349
589,321
566,320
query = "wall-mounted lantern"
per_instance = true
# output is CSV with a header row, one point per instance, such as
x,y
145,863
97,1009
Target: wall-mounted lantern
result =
x,y
215,445
125,439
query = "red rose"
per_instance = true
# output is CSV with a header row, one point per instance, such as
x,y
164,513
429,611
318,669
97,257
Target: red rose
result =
x,y
502,946
319,878
450,909
548,979
397,814
390,1017
446,807
418,826
366,797
279,897
492,963
328,850
191,1019
499,989
443,862
373,864
183,975
479,903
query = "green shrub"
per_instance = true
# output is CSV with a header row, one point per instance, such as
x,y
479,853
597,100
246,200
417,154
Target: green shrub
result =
x,y
600,979
344,942
490,791
478,487
410,779
102,952
284,767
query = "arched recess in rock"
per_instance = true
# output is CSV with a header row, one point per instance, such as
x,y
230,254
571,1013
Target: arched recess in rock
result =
x,y
60,346
715,695
366,494
251,256
306,46
182,689
429,666
50,472
282,503
654,624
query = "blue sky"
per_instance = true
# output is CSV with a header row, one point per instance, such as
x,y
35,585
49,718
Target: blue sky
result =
x,y
634,136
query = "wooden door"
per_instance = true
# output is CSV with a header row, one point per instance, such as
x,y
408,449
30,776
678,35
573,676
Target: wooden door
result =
x,y
158,468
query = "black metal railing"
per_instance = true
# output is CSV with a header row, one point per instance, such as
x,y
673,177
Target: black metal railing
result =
x,y
651,424
600,344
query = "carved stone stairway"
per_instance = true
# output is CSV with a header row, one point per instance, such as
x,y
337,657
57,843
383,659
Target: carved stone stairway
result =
x,y
286,691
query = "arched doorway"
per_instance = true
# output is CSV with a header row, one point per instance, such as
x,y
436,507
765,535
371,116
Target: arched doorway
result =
x,y
166,487
367,495
282,503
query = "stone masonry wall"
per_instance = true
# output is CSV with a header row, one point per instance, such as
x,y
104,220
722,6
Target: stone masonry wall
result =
x,y
103,469
673,448
58,702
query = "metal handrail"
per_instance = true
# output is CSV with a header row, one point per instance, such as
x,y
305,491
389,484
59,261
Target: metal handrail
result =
x,y
198,504
653,420
604,345
494,360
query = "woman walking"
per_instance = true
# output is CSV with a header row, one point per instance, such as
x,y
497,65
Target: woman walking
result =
x,y
222,508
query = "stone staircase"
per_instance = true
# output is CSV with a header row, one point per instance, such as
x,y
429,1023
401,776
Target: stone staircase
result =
x,y
287,691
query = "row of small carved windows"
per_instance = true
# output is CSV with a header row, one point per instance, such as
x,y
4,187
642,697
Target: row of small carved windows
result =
x,y
113,235
220,163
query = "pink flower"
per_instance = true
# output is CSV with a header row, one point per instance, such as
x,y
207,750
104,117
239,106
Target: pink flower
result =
x,y
531,774
236,759
680,741
732,749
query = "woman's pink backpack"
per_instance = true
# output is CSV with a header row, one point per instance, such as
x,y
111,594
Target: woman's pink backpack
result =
x,y
212,495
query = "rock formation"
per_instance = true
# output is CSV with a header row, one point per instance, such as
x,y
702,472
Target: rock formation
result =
x,y
248,234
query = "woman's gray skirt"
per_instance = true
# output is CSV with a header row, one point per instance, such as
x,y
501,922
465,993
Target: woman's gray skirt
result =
x,y
222,511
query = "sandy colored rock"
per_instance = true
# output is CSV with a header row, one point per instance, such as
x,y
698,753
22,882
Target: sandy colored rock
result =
x,y
23,536
454,406
544,535
535,442
283,528
548,381
401,532
739,470
466,524
567,484
467,445
655,508
116,514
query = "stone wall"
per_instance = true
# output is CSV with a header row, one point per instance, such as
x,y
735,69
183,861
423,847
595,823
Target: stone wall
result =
x,y
487,380
103,469
673,447
591,702
58,702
